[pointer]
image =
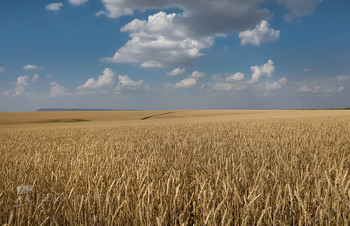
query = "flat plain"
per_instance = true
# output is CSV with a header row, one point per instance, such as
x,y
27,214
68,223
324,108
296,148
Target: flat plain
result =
x,y
175,168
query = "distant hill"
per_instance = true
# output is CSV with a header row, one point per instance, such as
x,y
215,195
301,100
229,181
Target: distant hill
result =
x,y
83,109
307,109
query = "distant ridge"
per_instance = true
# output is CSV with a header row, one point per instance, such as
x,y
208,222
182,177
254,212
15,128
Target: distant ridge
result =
x,y
83,109
308,109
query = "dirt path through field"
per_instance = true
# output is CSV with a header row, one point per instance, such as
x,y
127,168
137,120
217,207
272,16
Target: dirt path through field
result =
x,y
151,116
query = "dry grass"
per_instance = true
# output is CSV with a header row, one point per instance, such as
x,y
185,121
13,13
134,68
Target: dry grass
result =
x,y
262,168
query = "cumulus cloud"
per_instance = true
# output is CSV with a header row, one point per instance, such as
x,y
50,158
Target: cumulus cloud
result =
x,y
237,81
2,69
267,69
159,42
205,17
100,13
176,71
115,9
340,89
186,83
190,81
125,82
35,78
299,8
21,84
152,63
176,40
55,6
197,74
277,84
31,67
104,80
58,90
262,33
232,82
77,2
235,77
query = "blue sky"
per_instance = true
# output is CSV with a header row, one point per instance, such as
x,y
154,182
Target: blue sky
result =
x,y
182,54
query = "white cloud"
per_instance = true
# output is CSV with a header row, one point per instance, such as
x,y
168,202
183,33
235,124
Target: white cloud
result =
x,y
57,90
342,77
159,42
77,2
197,74
232,82
306,70
222,86
205,17
103,81
299,8
266,69
115,9
151,63
55,6
277,84
127,83
262,33
100,13
21,84
235,77
177,40
326,88
35,78
106,82
237,81
186,83
190,81
340,89
2,69
305,89
316,89
176,71
225,86
31,67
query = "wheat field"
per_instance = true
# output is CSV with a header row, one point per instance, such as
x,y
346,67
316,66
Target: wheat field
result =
x,y
175,168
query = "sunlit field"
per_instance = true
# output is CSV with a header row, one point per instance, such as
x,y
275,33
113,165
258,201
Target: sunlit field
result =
x,y
175,168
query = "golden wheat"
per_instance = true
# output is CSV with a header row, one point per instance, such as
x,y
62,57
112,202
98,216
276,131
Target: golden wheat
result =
x,y
249,171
